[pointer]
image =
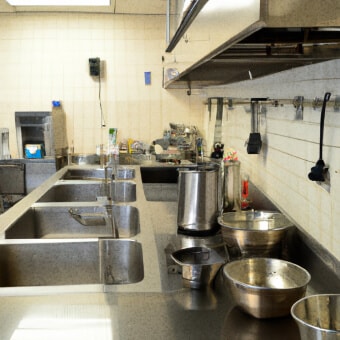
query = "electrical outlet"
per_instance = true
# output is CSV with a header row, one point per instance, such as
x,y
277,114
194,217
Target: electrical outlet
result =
x,y
94,67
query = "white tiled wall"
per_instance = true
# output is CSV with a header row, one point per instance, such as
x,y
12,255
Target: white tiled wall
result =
x,y
290,147
44,57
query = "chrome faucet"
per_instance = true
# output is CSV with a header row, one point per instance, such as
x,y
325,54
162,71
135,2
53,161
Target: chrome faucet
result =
x,y
110,182
92,219
111,219
110,176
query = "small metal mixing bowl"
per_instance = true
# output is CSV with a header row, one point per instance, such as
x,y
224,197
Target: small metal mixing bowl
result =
x,y
199,265
265,287
318,317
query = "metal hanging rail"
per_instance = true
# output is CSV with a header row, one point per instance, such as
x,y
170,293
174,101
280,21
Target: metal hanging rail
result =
x,y
298,101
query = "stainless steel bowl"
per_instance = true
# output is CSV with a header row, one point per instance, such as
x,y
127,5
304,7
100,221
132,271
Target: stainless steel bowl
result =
x,y
318,317
254,233
199,265
265,287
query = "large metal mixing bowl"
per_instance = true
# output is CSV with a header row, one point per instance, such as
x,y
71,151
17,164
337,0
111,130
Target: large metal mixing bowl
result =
x,y
254,233
264,287
199,265
318,317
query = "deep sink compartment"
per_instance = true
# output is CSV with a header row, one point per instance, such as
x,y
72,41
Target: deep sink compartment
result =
x,y
88,174
57,222
104,261
87,191
160,183
159,174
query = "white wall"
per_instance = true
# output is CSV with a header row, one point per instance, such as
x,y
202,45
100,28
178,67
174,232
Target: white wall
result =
x,y
44,57
290,147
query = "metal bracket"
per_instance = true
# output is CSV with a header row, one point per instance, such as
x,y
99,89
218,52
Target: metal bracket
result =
x,y
298,104
337,104
189,89
230,104
316,103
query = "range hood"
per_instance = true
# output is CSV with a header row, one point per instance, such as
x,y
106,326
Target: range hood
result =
x,y
184,13
261,38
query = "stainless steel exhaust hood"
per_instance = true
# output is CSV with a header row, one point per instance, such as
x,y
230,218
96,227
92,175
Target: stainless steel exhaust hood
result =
x,y
257,38
184,13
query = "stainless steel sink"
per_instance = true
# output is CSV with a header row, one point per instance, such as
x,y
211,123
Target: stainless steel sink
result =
x,y
102,261
77,191
93,174
89,191
126,173
57,222
124,191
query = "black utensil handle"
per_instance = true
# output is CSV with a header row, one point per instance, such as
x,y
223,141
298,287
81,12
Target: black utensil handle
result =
x,y
322,121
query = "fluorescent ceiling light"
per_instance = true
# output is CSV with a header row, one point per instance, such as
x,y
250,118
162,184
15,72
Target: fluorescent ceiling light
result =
x,y
59,2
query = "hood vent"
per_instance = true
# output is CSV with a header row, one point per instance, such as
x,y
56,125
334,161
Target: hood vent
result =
x,y
261,50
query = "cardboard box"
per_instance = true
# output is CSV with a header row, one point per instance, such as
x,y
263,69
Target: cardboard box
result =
x,y
34,150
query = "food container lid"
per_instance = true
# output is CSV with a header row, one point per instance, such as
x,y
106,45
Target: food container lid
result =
x,y
197,256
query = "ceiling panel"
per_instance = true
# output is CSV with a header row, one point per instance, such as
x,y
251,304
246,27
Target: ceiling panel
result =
x,y
117,6
141,6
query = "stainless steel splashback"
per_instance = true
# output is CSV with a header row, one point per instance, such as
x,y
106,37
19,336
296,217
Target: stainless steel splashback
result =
x,y
12,178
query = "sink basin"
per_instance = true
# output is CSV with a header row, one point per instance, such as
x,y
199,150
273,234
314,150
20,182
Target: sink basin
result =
x,y
104,261
126,173
93,174
160,182
57,222
124,191
87,191
74,192
159,174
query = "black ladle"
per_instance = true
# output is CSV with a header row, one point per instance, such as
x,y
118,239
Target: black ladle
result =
x,y
317,171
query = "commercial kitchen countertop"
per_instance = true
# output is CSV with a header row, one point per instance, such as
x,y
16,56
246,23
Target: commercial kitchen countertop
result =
x,y
184,314
165,310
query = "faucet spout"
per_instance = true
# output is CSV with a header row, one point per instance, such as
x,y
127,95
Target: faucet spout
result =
x,y
108,171
87,218
110,176
111,220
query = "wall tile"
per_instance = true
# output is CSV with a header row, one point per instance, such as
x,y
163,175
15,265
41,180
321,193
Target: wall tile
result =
x,y
49,54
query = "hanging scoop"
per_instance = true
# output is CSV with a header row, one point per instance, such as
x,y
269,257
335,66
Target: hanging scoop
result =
x,y
254,143
317,172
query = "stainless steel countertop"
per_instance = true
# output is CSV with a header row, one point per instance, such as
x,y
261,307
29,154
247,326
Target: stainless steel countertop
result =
x,y
185,314
157,308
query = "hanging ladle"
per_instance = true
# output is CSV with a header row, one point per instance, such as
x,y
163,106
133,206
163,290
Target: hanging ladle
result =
x,y
317,171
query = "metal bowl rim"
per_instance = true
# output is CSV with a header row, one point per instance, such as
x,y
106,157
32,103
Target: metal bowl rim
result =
x,y
261,288
292,309
224,225
220,260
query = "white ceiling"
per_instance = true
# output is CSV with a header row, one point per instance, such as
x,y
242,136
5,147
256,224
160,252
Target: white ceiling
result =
x,y
117,7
